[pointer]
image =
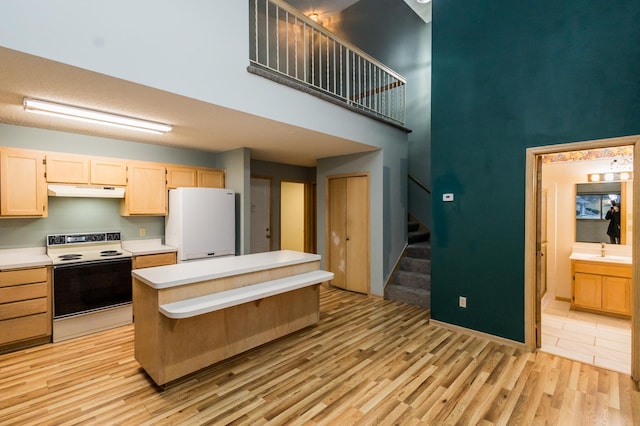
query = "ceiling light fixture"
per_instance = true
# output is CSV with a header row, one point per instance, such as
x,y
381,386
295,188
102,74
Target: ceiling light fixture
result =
x,y
93,116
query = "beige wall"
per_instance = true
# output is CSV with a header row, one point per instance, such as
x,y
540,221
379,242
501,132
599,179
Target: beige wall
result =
x,y
559,180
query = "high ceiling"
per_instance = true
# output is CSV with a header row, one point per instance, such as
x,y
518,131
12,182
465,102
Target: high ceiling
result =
x,y
197,125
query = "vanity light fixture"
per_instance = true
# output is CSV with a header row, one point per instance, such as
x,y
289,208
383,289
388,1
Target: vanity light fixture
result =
x,y
92,116
610,177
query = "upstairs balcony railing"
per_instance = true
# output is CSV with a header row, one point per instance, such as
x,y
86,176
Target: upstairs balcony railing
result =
x,y
286,42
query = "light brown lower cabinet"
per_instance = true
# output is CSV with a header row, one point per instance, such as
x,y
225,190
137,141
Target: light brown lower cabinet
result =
x,y
156,259
602,287
25,307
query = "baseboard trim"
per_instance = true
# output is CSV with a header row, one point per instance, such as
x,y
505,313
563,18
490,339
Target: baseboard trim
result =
x,y
464,330
563,299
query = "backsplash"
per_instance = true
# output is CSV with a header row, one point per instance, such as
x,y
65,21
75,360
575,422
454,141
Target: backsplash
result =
x,y
70,215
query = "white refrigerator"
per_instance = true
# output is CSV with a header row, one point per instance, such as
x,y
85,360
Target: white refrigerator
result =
x,y
201,223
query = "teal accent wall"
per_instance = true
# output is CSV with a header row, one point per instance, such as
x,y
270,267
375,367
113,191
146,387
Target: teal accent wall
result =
x,y
508,76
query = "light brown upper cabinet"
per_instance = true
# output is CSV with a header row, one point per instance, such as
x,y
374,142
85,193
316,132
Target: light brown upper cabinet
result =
x,y
146,192
181,177
185,176
23,189
348,231
108,171
78,169
211,178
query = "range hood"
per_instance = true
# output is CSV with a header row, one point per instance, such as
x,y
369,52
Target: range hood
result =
x,y
85,191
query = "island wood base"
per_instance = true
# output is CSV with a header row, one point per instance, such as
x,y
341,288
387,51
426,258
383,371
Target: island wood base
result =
x,y
168,349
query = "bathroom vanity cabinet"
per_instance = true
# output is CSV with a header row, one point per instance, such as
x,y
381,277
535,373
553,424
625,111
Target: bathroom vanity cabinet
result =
x,y
601,287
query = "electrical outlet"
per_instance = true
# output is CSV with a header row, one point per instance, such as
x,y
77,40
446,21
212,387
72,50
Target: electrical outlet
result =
x,y
142,232
462,302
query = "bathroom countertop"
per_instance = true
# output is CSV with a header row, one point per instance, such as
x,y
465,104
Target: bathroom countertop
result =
x,y
599,258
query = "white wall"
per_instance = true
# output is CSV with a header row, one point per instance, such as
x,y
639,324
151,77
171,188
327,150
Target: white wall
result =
x,y
195,48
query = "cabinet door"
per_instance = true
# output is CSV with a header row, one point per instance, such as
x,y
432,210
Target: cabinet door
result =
x,y
210,178
146,192
616,295
108,171
23,189
181,177
588,291
65,168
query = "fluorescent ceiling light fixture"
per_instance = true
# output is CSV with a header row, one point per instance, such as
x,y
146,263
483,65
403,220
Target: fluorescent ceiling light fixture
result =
x,y
423,1
92,116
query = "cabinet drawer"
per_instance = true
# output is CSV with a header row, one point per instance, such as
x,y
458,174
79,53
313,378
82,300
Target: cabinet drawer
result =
x,y
23,308
23,328
22,292
603,269
149,260
23,276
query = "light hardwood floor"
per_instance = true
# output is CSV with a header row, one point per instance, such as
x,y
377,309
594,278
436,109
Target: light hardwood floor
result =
x,y
368,361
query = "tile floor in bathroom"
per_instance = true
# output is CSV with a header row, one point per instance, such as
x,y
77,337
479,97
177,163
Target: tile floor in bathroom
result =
x,y
600,340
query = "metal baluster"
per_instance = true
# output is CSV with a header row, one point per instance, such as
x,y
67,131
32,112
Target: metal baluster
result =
x,y
287,38
266,20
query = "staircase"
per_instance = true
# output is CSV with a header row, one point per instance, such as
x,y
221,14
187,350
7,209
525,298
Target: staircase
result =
x,y
411,281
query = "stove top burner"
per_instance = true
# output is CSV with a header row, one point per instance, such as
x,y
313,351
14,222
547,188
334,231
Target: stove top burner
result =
x,y
71,249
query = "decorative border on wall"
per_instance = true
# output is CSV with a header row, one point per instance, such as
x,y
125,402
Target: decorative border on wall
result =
x,y
588,154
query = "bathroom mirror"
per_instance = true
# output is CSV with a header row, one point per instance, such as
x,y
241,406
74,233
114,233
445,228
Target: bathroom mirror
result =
x,y
593,201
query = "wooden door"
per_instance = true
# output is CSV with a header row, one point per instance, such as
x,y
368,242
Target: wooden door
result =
x,y
348,232
23,189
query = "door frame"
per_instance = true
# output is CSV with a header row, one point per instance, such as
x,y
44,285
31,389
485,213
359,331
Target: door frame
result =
x,y
532,304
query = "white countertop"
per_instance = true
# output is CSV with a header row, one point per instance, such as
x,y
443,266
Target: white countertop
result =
x,y
23,258
192,272
599,258
149,246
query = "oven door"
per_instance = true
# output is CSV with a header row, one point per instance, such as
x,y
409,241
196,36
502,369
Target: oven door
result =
x,y
84,287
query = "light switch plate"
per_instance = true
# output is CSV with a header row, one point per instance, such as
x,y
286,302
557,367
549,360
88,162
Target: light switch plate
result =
x,y
447,197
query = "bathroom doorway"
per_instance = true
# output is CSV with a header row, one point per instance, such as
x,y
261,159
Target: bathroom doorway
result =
x,y
536,302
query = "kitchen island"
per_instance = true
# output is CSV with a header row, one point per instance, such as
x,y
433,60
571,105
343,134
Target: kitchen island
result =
x,y
191,315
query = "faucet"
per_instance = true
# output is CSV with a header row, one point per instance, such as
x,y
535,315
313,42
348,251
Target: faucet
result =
x,y
602,247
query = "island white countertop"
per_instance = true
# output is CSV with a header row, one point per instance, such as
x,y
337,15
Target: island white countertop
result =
x,y
202,270
149,246
23,258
